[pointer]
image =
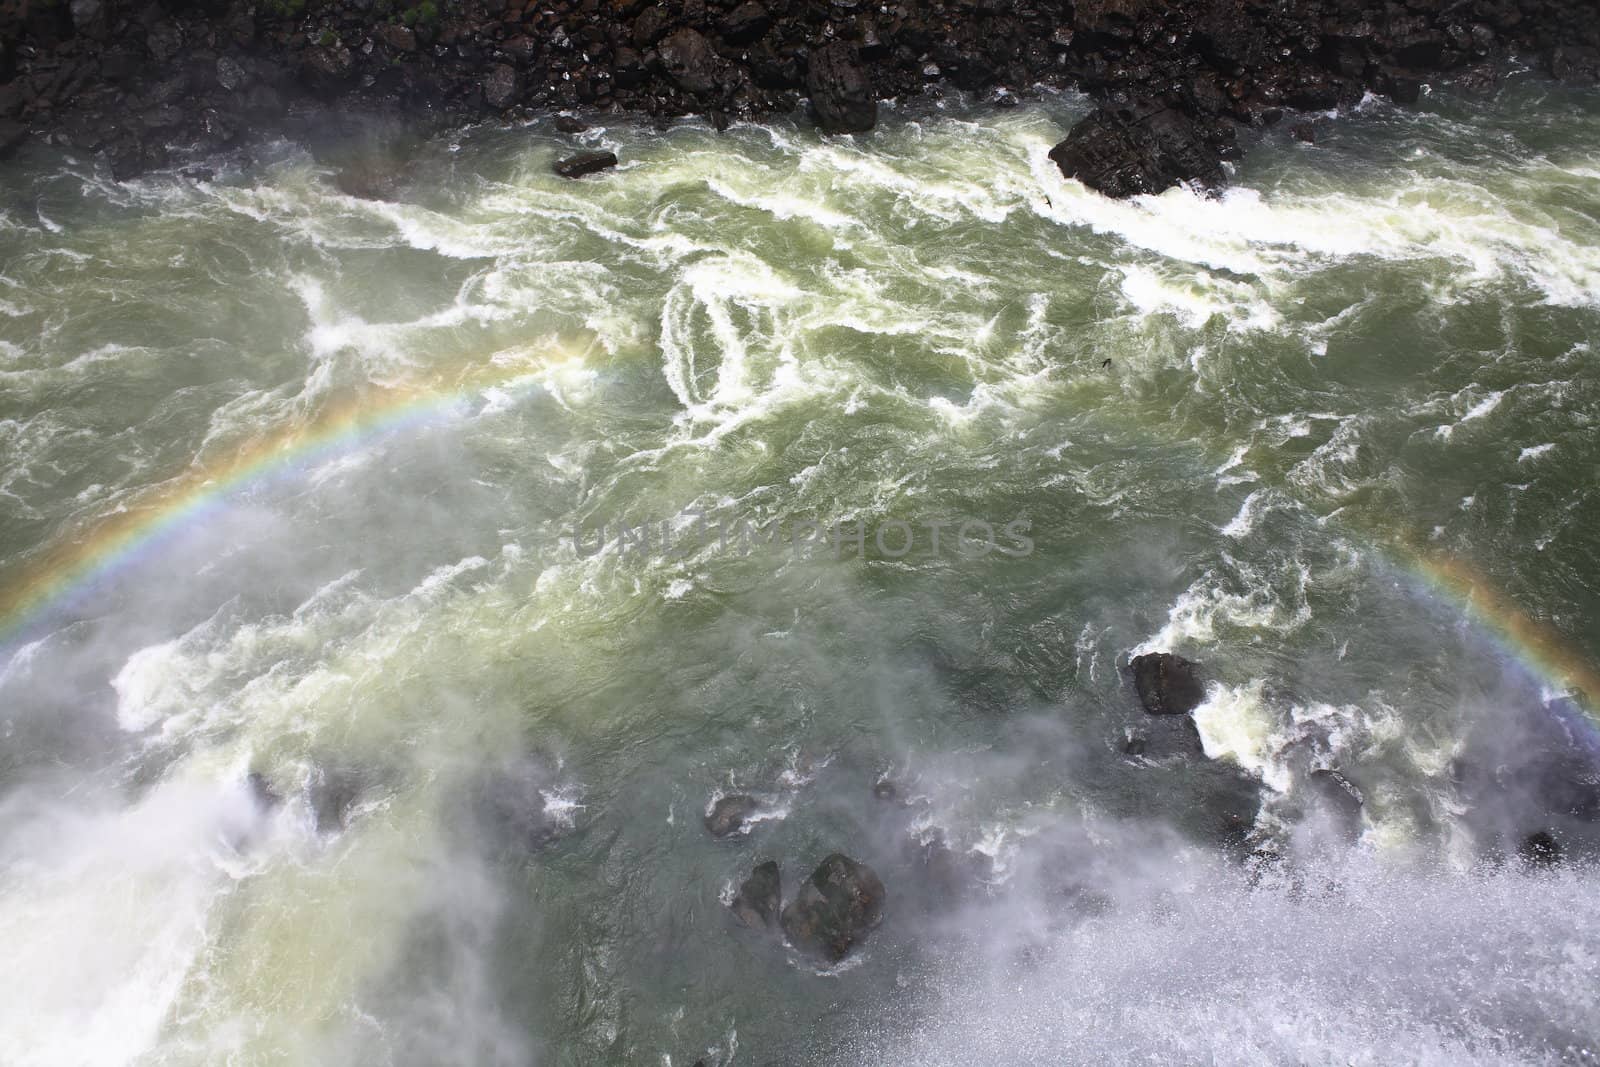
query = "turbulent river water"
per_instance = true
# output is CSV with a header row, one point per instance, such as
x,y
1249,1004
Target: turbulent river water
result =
x,y
323,519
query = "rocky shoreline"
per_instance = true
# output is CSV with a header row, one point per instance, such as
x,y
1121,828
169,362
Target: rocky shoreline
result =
x,y
144,84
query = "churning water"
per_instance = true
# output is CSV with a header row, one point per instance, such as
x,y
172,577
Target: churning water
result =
x,y
347,495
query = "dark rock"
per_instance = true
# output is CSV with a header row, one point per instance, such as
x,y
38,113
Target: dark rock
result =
x,y
500,86
834,909
690,60
1337,791
262,792
1167,684
369,177
1304,132
760,896
164,41
1134,747
396,37
841,91
885,789
328,70
746,23
949,877
12,134
1540,849
230,75
585,163
511,809
569,124
1143,147
334,791
731,814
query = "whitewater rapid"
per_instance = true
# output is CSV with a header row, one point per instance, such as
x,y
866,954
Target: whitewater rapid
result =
x,y
292,565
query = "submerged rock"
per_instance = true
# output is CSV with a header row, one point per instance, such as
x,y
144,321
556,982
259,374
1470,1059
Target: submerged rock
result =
x,y
1167,684
585,163
1144,147
731,814
760,896
1337,790
511,808
834,909
261,791
334,791
1541,849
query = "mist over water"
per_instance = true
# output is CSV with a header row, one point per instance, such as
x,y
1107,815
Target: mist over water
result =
x,y
356,754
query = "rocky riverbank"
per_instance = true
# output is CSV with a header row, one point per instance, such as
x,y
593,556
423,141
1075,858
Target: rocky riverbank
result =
x,y
146,84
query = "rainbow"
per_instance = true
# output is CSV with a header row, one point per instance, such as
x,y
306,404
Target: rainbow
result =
x,y
99,548
1536,646
104,546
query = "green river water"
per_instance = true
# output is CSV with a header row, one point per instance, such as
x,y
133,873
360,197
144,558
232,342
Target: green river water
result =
x,y
329,490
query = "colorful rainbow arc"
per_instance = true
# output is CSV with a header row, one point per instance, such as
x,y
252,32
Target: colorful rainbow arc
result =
x,y
1538,647
121,538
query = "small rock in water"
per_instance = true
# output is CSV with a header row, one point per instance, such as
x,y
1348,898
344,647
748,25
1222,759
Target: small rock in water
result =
x,y
1541,849
1134,747
731,814
834,909
511,808
261,791
585,163
334,791
570,124
760,896
1338,791
1167,684
885,789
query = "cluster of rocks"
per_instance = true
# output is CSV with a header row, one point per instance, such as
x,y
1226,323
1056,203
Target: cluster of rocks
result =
x,y
830,913
1535,766
139,80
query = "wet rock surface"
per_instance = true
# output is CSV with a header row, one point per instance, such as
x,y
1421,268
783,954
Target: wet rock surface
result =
x,y
760,897
585,163
1167,684
731,814
834,909
144,85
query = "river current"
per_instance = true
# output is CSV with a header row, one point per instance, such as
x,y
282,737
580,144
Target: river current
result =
x,y
323,518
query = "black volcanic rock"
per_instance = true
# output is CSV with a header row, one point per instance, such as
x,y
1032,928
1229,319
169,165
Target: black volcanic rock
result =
x,y
1143,147
1172,79
1167,684
834,909
746,23
691,61
585,163
841,92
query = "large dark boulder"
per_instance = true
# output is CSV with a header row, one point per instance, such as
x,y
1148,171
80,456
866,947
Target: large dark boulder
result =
x,y
746,23
841,91
1167,684
760,896
834,909
690,60
1144,147
585,163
